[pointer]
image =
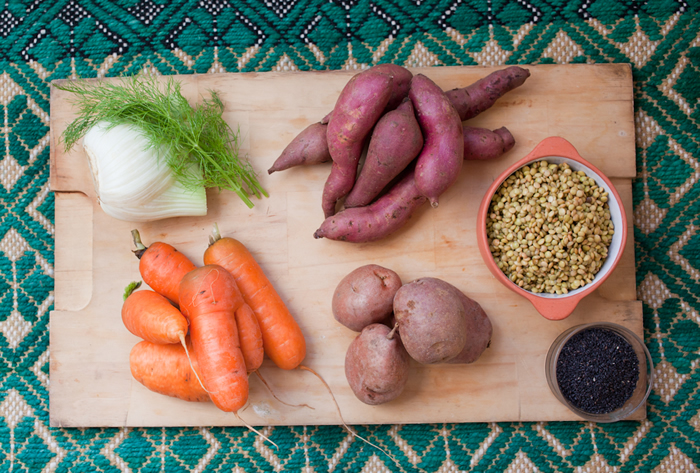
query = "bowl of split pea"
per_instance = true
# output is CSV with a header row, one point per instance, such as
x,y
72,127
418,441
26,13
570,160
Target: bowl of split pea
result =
x,y
552,228
601,371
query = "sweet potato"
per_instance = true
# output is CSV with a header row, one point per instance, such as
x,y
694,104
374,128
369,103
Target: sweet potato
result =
x,y
431,320
377,220
376,365
400,84
308,147
395,142
475,98
481,144
357,110
365,296
439,163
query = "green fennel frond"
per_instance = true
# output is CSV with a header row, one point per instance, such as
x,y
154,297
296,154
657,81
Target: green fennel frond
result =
x,y
192,135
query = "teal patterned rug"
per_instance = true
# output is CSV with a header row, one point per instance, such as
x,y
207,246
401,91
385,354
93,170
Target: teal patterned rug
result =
x,y
41,41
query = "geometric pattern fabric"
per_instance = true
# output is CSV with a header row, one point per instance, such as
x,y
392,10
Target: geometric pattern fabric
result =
x,y
44,41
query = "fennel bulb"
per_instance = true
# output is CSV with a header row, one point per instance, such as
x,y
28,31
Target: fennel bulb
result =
x,y
202,149
133,180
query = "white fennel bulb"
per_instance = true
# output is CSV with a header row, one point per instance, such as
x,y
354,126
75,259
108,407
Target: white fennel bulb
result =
x,y
132,179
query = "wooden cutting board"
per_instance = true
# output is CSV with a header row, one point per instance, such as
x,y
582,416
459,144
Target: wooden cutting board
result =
x,y
91,385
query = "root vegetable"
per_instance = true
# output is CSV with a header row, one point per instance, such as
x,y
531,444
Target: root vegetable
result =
x,y
431,320
479,331
439,163
152,317
400,84
162,267
283,341
209,298
359,106
165,369
377,220
308,147
376,365
482,144
475,98
365,296
395,142
250,337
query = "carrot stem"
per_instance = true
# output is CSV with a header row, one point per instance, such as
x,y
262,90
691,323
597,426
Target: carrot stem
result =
x,y
140,247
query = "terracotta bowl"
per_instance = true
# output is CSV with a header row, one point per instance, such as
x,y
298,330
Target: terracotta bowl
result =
x,y
557,150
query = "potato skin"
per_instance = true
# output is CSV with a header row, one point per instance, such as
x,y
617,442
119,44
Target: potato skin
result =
x,y
376,366
378,220
479,331
440,161
365,296
308,147
395,141
357,110
481,143
431,320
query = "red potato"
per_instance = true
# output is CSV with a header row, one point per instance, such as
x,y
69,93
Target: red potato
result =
x,y
165,369
365,296
376,365
479,331
439,163
359,106
482,144
475,98
431,320
308,147
377,220
395,142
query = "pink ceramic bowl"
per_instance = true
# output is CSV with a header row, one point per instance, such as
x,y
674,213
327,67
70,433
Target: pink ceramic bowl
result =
x,y
557,150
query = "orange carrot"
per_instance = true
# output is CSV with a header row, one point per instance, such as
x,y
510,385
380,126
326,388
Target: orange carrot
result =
x,y
165,369
250,336
209,299
283,340
162,266
152,317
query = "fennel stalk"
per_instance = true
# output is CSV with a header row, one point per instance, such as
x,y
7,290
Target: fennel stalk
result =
x,y
193,135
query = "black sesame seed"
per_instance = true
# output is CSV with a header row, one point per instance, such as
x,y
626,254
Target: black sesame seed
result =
x,y
597,370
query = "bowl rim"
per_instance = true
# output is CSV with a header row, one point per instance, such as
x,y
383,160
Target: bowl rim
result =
x,y
560,306
553,355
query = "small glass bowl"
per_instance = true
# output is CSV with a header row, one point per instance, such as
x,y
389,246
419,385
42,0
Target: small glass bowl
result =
x,y
644,383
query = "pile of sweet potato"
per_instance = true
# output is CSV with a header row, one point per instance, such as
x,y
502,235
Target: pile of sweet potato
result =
x,y
415,145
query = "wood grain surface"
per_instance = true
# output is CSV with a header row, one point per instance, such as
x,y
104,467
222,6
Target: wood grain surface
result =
x,y
589,105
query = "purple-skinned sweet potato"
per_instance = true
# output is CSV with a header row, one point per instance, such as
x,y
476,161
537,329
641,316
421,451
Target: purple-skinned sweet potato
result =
x,y
473,99
395,142
358,108
377,220
400,85
308,147
482,144
440,161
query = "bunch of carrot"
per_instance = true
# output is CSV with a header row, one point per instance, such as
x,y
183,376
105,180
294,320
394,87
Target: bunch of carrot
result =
x,y
205,329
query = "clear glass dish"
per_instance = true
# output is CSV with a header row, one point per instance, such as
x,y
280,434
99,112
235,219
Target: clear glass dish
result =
x,y
643,386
